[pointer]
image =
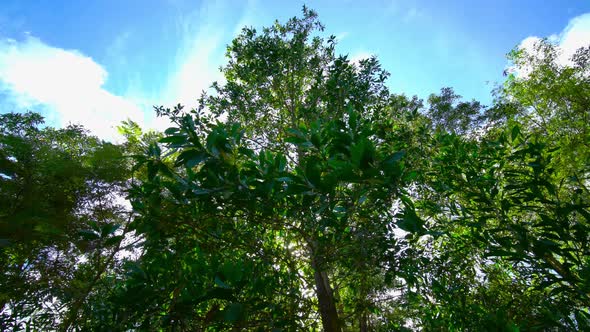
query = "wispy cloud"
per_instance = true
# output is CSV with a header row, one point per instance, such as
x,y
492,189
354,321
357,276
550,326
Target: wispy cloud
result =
x,y
204,35
196,64
341,36
65,83
252,14
116,49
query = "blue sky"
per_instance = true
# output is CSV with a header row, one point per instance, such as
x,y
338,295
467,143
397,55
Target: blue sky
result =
x,y
99,62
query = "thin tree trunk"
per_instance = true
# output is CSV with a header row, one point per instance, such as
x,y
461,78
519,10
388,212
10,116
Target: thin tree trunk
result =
x,y
325,296
363,326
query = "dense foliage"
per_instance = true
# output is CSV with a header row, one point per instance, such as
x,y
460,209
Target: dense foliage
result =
x,y
59,219
303,195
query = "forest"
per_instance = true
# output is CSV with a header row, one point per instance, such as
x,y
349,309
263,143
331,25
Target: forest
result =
x,y
303,195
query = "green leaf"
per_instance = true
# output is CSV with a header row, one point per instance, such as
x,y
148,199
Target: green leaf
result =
x,y
113,240
170,131
316,140
221,284
515,132
296,140
191,158
89,234
313,172
175,139
362,153
496,252
410,222
108,229
219,293
396,157
280,162
135,270
352,119
233,271
233,312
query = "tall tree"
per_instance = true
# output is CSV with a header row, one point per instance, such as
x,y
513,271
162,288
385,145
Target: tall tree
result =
x,y
284,84
309,150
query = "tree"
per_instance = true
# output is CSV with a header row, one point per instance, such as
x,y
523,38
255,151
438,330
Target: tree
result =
x,y
308,149
505,211
58,219
553,99
450,114
285,83
516,196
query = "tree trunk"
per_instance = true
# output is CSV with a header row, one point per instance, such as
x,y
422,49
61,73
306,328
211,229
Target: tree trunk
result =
x,y
363,324
325,296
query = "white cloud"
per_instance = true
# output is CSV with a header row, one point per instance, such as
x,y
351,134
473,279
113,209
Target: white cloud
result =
x,y
574,36
65,82
358,56
68,86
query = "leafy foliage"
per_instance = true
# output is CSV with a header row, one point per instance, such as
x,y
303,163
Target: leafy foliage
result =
x,y
303,195
58,219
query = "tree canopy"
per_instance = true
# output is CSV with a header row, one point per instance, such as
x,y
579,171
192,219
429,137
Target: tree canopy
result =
x,y
302,194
